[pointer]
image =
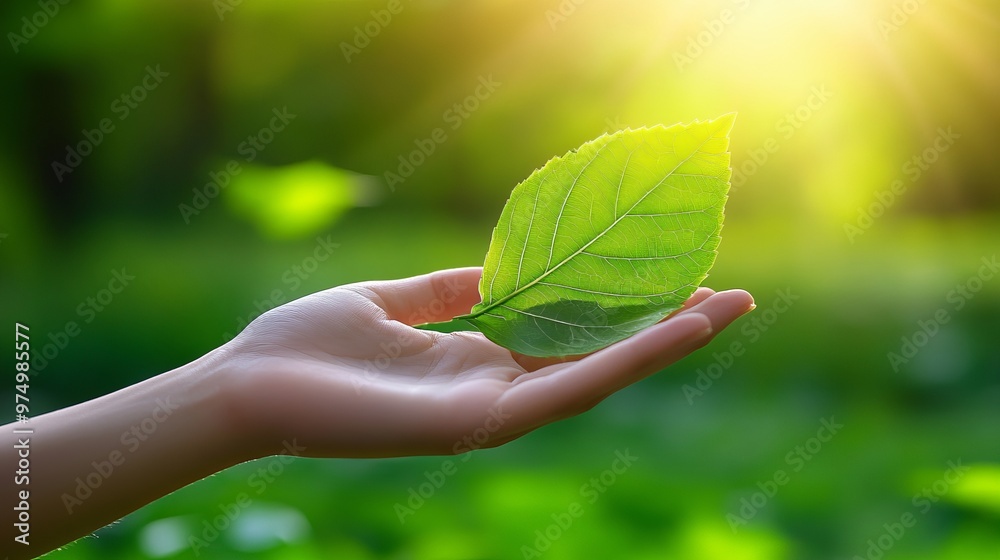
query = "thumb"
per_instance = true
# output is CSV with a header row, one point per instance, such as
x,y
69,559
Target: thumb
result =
x,y
428,298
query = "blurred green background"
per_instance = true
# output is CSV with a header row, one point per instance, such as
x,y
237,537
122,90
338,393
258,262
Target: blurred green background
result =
x,y
865,201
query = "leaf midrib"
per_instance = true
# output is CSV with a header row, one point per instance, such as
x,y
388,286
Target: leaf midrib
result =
x,y
541,277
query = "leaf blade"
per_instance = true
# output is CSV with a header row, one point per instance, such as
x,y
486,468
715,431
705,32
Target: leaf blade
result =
x,y
606,240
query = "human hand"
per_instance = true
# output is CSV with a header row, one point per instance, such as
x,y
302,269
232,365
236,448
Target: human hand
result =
x,y
344,374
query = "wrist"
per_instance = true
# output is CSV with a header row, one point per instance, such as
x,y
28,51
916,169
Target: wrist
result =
x,y
214,388
236,388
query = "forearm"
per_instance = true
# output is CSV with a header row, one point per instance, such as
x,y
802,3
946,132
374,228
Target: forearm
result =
x,y
95,462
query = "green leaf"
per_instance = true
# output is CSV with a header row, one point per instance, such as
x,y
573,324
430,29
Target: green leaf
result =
x,y
606,240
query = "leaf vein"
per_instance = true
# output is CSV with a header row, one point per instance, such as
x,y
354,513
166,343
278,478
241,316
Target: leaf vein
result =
x,y
569,193
567,323
612,294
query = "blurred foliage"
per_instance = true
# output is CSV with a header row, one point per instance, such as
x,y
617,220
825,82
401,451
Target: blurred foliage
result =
x,y
840,105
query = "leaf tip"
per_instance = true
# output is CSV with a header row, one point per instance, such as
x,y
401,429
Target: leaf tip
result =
x,y
725,122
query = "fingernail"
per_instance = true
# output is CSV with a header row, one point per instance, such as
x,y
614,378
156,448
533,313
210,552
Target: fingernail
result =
x,y
752,307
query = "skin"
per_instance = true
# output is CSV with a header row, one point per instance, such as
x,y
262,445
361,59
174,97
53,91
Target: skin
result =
x,y
339,373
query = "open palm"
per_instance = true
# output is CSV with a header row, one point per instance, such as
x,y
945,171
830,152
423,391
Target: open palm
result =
x,y
343,373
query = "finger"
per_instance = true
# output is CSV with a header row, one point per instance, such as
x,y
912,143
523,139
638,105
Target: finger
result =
x,y
699,295
573,388
429,298
723,307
